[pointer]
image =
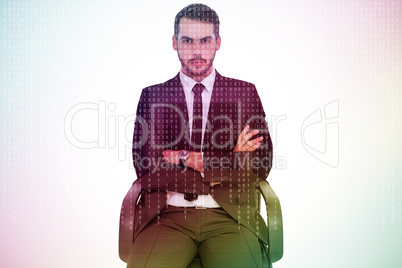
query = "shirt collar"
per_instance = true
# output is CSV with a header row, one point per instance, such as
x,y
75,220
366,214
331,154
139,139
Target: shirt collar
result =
x,y
189,83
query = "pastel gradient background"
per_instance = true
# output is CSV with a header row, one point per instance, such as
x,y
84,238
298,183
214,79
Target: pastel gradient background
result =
x,y
328,73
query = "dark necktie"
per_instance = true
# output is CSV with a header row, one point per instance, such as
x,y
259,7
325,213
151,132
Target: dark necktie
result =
x,y
196,133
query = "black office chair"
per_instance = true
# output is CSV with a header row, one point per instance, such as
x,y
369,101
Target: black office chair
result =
x,y
274,222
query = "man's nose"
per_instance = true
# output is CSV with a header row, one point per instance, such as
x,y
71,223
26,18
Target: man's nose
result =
x,y
196,56
196,48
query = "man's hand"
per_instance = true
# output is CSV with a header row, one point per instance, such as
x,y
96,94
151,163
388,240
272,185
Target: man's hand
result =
x,y
194,160
171,156
244,144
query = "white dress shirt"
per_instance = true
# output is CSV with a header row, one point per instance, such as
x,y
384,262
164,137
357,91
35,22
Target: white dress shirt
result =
x,y
174,198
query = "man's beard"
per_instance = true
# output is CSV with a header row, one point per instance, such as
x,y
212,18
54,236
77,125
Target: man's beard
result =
x,y
196,73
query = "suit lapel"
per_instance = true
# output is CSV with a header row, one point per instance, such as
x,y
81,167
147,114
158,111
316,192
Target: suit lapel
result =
x,y
217,92
178,101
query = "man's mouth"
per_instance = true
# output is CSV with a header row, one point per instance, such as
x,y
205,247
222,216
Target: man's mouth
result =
x,y
197,62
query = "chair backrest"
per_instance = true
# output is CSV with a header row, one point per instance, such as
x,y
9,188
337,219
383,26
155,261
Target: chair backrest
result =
x,y
274,221
126,223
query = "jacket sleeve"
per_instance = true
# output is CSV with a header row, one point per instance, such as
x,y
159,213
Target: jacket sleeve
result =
x,y
152,171
222,166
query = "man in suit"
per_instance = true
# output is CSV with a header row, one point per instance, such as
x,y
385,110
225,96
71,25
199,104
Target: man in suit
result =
x,y
201,145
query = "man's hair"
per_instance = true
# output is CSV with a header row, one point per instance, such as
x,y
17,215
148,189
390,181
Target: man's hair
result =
x,y
198,12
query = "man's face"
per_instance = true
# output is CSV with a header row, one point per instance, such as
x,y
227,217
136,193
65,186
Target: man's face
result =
x,y
196,45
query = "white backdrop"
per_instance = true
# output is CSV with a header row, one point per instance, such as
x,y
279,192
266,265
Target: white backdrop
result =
x,y
328,74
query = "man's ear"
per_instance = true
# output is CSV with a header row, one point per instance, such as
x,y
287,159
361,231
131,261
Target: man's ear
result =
x,y
218,43
174,42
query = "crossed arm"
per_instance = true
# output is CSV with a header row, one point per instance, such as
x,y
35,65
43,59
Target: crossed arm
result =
x,y
194,161
158,169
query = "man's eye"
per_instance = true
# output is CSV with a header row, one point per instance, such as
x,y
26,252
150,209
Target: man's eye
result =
x,y
205,41
186,41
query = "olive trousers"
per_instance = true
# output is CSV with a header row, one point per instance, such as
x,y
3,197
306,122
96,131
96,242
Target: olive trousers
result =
x,y
180,234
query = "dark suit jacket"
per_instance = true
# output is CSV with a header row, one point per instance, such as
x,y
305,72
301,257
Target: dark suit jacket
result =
x,y
162,124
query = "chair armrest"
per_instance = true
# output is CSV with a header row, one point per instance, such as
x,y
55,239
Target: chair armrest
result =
x,y
274,221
